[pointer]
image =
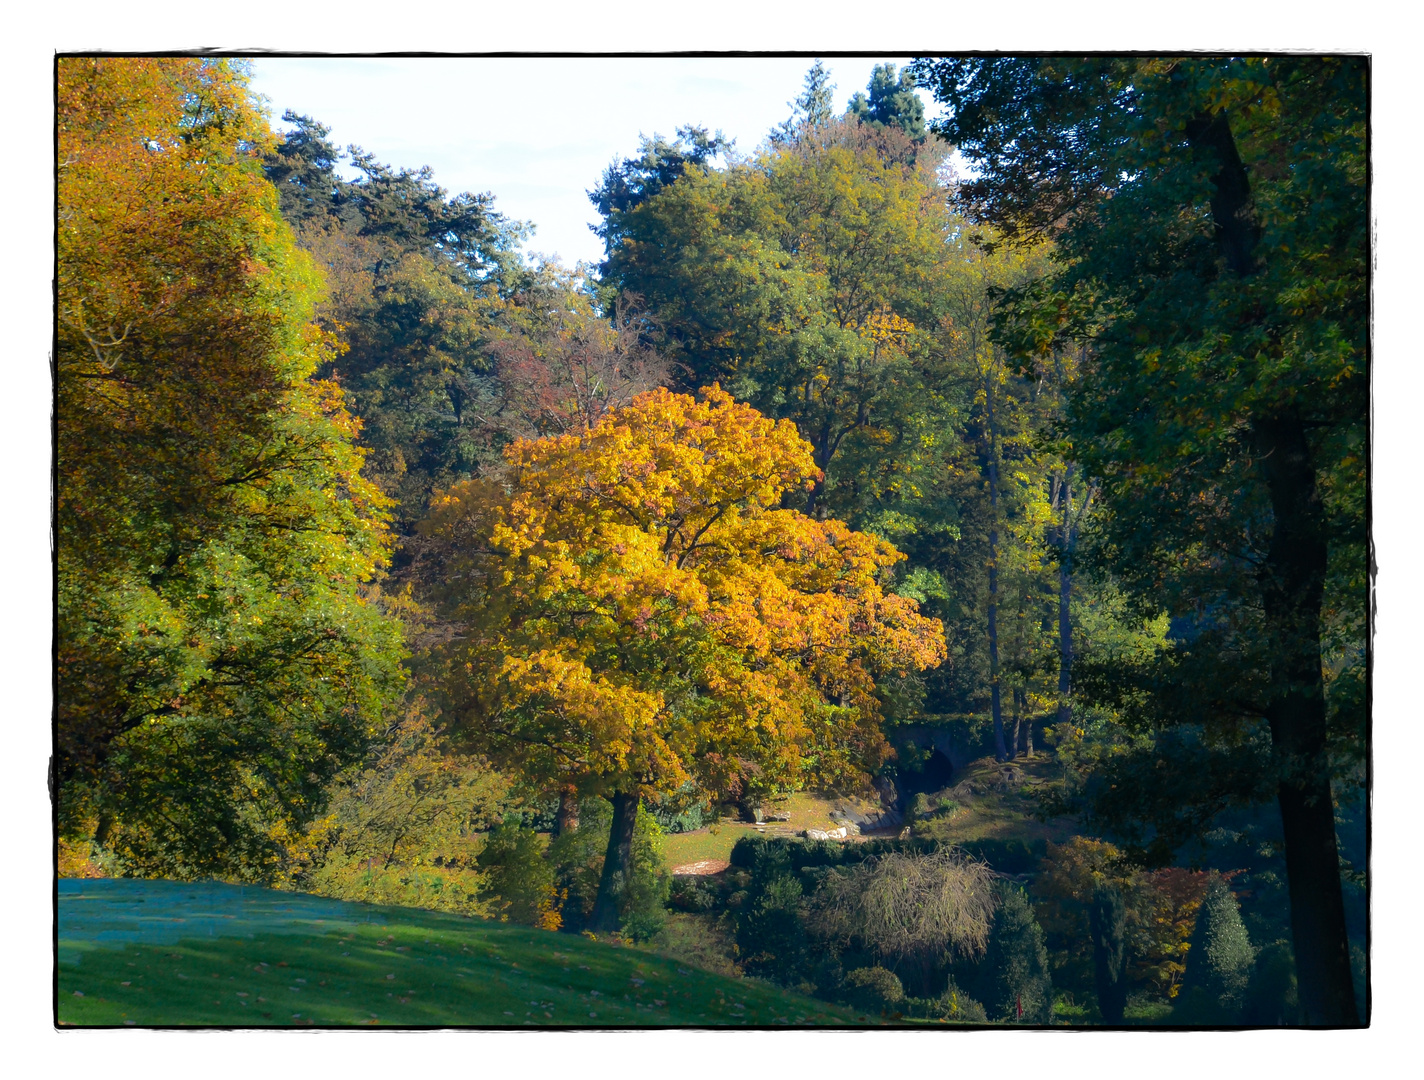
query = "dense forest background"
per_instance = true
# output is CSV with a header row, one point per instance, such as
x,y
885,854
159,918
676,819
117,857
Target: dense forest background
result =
x,y
1106,397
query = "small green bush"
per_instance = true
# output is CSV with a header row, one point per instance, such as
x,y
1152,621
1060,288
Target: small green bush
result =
x,y
690,894
952,1006
519,880
771,934
873,990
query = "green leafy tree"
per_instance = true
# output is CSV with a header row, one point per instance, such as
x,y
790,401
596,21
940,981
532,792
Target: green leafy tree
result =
x,y
519,880
1210,221
404,826
222,650
418,284
798,280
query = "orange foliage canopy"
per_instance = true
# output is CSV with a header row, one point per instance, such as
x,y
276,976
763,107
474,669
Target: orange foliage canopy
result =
x,y
640,612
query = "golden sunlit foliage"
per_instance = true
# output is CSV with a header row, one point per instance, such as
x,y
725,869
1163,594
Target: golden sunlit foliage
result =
x,y
639,611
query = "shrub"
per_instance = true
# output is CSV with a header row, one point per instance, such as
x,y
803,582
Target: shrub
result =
x,y
952,1006
1272,998
692,895
873,990
1108,923
453,889
683,811
770,933
910,908
1013,982
519,880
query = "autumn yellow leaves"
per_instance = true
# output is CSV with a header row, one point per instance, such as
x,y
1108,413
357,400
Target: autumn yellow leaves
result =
x,y
639,609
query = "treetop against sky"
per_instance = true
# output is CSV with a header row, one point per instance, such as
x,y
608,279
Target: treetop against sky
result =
x,y
526,129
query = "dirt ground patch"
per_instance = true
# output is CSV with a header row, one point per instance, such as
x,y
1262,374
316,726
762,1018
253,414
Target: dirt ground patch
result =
x,y
700,867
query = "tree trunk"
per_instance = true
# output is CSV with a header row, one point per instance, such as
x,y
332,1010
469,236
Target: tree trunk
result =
x,y
1064,610
567,819
617,866
1028,735
1001,752
1292,583
1292,588
1015,722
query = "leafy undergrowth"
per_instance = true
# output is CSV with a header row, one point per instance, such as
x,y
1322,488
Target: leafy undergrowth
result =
x,y
226,955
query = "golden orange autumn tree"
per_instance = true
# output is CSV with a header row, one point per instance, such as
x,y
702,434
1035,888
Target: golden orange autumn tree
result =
x,y
639,611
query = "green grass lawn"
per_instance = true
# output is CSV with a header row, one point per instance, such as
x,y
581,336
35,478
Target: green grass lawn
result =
x,y
809,810
175,954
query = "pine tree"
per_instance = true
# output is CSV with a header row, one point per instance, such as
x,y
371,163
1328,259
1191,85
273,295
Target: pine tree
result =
x,y
1220,960
1014,983
892,102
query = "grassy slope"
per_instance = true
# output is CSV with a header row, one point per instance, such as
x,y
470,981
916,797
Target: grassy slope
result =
x,y
398,966
991,814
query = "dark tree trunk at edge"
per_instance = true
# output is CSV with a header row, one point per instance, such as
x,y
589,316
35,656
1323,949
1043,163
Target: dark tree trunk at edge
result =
x,y
1292,587
617,865
1292,583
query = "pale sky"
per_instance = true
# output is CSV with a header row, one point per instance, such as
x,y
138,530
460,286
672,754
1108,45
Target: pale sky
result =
x,y
538,132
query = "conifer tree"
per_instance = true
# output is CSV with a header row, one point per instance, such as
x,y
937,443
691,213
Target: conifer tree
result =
x,y
1014,983
1220,960
1108,920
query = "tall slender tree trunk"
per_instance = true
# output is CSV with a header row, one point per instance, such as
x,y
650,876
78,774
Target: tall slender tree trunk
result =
x,y
995,705
1065,592
1292,583
1027,731
1292,587
1014,723
607,913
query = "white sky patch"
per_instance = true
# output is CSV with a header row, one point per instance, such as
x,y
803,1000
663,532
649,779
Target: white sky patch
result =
x,y
538,132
